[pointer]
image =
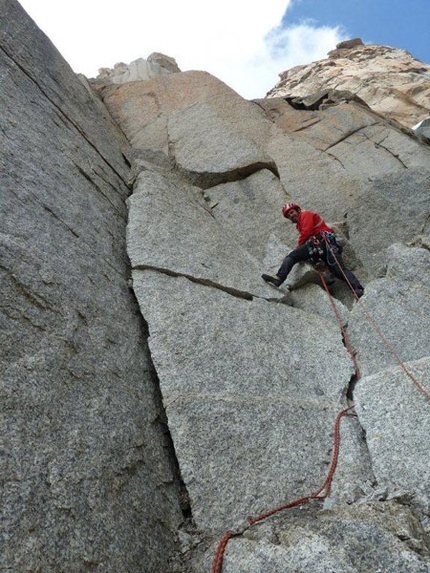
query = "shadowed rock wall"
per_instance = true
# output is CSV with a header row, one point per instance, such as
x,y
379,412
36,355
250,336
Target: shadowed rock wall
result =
x,y
87,482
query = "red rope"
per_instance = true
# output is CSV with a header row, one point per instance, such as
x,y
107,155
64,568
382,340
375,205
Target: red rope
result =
x,y
386,342
320,494
324,491
342,328
219,555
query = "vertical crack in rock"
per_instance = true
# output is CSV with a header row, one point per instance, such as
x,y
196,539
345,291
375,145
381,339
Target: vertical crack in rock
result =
x,y
350,389
162,421
91,181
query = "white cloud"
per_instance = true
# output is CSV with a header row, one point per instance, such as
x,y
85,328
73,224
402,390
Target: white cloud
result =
x,y
281,49
238,41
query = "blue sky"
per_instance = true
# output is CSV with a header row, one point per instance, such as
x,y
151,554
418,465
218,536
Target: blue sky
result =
x,y
244,43
398,23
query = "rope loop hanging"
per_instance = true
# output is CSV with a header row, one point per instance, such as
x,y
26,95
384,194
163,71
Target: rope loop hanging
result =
x,y
320,494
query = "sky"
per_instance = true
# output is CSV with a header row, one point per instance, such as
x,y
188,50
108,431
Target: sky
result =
x,y
244,43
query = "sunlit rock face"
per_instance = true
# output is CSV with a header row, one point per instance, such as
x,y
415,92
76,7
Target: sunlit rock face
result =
x,y
391,81
154,66
210,174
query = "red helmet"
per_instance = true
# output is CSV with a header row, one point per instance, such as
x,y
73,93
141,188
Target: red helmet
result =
x,y
288,207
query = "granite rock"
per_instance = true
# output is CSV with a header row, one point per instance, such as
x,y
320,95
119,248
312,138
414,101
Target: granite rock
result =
x,y
394,324
87,480
394,413
156,65
169,214
373,537
138,431
391,81
241,376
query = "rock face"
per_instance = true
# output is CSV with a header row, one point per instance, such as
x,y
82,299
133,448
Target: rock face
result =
x,y
87,482
155,391
391,81
422,130
198,295
340,541
155,66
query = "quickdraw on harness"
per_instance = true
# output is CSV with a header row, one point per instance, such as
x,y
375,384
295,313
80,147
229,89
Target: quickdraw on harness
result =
x,y
317,246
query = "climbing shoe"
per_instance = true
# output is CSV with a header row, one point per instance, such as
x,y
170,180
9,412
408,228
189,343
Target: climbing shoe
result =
x,y
359,292
272,280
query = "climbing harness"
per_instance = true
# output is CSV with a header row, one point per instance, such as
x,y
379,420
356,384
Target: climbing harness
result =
x,y
318,247
315,247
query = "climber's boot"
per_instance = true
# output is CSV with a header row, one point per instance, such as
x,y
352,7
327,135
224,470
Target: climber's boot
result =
x,y
359,292
275,281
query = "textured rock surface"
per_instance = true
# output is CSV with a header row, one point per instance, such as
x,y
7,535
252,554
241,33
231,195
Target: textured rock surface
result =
x,y
242,376
86,479
389,80
312,298
166,214
155,66
381,199
371,537
208,390
209,131
330,171
399,304
209,151
227,410
395,416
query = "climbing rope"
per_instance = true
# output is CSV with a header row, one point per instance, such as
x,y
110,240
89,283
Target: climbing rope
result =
x,y
386,342
322,493
342,328
219,555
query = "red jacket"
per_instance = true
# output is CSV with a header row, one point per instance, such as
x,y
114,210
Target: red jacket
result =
x,y
310,224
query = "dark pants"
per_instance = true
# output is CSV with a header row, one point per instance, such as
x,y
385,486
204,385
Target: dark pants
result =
x,y
333,261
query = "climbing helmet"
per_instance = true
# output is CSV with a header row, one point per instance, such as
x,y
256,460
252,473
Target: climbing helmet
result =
x,y
288,207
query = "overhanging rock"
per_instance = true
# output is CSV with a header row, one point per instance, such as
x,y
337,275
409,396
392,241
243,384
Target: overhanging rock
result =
x,y
209,150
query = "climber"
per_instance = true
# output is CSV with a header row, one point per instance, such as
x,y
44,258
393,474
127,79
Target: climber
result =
x,y
317,242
